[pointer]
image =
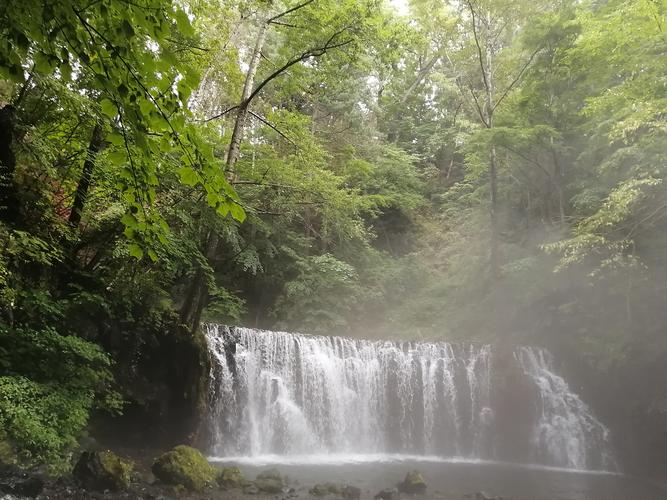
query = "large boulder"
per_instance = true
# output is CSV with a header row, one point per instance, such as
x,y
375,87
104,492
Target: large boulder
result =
x,y
102,470
185,466
413,484
230,478
270,481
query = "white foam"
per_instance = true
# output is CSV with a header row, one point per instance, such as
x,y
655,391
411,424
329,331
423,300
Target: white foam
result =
x,y
334,459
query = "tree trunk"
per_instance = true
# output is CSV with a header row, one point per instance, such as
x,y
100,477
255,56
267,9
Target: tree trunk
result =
x,y
558,182
94,147
493,176
242,114
197,297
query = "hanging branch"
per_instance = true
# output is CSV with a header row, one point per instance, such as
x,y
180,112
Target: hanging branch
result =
x,y
479,48
317,52
289,11
269,124
518,77
219,115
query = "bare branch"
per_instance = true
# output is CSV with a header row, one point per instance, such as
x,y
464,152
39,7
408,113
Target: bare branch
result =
x,y
219,115
289,11
423,72
479,48
478,107
518,77
269,124
287,25
329,45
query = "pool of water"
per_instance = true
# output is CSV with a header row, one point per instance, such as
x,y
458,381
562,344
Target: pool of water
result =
x,y
451,478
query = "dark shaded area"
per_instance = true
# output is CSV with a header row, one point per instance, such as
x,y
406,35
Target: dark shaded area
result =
x,y
164,378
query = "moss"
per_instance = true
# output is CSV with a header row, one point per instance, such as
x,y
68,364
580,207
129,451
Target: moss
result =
x,y
413,483
103,470
270,481
120,469
269,485
231,477
185,466
270,474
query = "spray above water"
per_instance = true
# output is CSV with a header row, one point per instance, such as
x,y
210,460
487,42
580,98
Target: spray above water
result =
x,y
275,393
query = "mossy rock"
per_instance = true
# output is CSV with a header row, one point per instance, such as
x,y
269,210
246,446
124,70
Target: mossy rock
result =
x,y
102,470
185,466
321,490
270,481
413,484
231,477
270,474
270,485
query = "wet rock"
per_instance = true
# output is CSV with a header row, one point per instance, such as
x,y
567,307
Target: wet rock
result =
x,y
270,474
351,493
320,490
102,470
251,489
230,478
270,481
14,481
269,485
185,466
413,484
388,494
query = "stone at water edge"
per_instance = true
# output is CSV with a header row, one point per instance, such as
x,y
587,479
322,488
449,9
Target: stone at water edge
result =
x,y
351,493
389,494
480,495
270,481
251,489
185,466
321,490
102,470
413,484
230,478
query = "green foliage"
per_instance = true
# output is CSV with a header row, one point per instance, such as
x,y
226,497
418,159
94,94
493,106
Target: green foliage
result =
x,y
321,296
126,59
50,386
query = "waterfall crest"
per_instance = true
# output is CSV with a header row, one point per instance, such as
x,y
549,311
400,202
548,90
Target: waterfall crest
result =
x,y
287,393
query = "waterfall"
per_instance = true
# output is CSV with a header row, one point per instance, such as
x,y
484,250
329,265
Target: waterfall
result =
x,y
294,394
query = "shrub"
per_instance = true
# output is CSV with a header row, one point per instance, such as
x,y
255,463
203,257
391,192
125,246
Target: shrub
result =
x,y
50,385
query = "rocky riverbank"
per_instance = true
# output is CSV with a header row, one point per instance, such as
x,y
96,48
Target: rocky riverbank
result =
x,y
183,473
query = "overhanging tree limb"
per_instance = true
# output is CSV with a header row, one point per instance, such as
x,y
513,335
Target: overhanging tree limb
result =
x,y
269,124
517,78
289,11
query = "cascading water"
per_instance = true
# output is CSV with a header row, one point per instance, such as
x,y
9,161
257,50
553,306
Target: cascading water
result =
x,y
285,393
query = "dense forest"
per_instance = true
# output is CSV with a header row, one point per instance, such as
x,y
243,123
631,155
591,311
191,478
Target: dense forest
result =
x,y
479,170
